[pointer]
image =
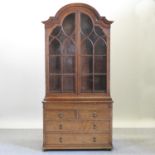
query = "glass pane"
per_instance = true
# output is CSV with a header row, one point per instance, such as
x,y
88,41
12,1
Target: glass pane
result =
x,y
100,47
55,64
87,83
87,47
93,36
55,83
68,64
68,83
100,32
100,64
86,24
55,47
69,24
61,36
100,82
56,31
68,47
73,36
86,64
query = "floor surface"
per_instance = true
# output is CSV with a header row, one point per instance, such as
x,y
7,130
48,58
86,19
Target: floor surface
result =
x,y
125,142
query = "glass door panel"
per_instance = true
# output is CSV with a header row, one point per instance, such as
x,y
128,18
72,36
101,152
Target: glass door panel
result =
x,y
69,24
55,83
100,47
55,47
86,64
68,64
92,56
55,64
62,56
100,64
87,83
99,83
68,47
86,47
86,24
68,83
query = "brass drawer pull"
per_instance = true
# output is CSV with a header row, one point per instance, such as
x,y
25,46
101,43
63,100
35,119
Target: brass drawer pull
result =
x,y
60,139
94,139
60,126
94,114
61,115
94,126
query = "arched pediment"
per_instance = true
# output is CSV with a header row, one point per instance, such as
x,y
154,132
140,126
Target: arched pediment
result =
x,y
73,7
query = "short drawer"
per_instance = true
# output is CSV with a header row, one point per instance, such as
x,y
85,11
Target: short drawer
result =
x,y
59,114
77,139
78,126
94,114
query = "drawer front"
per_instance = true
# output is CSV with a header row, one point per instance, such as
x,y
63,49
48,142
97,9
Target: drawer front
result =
x,y
60,115
94,114
78,126
77,139
76,105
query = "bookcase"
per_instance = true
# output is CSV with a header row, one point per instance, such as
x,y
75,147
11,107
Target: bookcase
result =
x,y
77,108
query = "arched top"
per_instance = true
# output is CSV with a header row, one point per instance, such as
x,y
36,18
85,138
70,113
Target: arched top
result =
x,y
73,7
78,6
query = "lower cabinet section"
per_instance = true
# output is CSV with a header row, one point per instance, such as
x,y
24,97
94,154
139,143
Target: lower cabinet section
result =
x,y
78,126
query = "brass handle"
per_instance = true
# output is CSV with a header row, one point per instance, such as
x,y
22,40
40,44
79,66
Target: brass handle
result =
x,y
60,126
60,139
94,139
61,115
94,114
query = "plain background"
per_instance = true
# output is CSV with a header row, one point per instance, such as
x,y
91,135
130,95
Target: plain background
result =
x,y
22,73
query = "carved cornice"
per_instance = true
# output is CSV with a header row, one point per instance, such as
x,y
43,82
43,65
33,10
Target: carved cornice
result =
x,y
77,6
103,18
49,20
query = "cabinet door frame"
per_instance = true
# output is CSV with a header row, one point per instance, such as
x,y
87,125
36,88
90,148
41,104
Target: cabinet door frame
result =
x,y
57,23
52,22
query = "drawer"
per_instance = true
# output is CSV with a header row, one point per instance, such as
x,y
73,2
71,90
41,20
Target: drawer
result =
x,y
78,126
94,114
77,139
72,105
60,115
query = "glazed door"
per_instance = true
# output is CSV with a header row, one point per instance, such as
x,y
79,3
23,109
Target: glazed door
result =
x,y
62,56
93,51
77,56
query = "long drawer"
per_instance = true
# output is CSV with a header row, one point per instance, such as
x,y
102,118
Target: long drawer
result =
x,y
77,139
77,126
77,114
77,105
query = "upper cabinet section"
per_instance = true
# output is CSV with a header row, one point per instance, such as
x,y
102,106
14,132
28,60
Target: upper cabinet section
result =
x,y
77,51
